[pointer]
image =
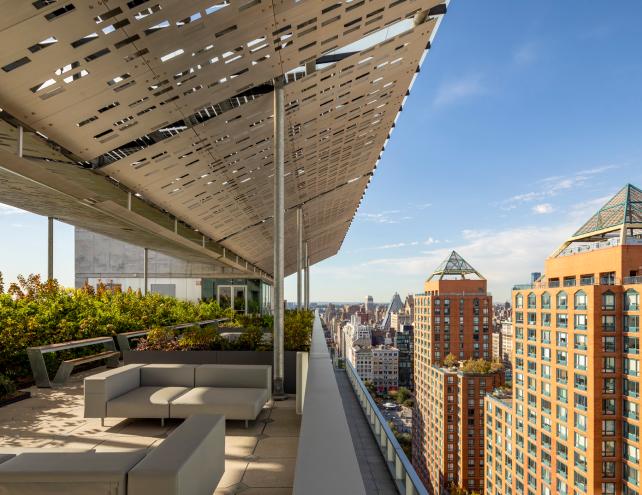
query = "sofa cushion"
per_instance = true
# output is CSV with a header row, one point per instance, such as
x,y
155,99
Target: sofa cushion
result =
x,y
144,402
233,403
167,375
190,461
88,473
233,376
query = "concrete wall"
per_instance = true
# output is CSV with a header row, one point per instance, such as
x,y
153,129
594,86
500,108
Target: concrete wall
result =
x,y
101,257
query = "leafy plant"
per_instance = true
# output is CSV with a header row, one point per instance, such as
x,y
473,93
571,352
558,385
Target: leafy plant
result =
x,y
200,338
450,361
403,394
7,387
34,313
480,366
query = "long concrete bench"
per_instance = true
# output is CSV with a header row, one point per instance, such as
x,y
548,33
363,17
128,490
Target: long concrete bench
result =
x,y
190,461
178,391
39,368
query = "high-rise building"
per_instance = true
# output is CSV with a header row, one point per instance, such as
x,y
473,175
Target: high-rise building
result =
x,y
376,364
403,341
369,305
573,423
453,372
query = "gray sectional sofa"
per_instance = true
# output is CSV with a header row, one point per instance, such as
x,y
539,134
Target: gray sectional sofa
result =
x,y
179,391
190,461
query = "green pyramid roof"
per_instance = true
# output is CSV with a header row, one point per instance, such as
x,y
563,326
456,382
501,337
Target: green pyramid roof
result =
x,y
454,265
623,208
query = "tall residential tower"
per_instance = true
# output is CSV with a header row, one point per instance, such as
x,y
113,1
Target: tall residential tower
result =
x,y
453,373
572,425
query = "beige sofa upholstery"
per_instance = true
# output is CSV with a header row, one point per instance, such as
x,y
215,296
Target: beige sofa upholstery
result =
x,y
179,391
87,473
189,462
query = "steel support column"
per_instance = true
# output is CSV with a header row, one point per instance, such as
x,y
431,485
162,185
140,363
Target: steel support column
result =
x,y
145,269
306,297
50,248
299,258
279,236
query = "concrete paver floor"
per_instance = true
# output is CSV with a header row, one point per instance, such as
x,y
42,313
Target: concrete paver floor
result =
x,y
259,459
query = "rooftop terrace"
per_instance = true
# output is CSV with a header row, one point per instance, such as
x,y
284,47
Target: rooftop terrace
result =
x,y
258,460
281,452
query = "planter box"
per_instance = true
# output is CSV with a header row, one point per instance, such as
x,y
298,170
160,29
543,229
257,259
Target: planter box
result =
x,y
16,398
217,357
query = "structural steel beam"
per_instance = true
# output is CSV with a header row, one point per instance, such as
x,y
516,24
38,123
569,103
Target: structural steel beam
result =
x,y
299,257
279,235
50,248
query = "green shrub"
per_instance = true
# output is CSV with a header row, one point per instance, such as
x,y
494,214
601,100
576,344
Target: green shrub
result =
x,y
297,333
34,313
7,387
198,338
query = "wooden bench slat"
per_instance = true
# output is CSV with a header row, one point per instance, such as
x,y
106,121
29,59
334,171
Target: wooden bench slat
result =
x,y
93,357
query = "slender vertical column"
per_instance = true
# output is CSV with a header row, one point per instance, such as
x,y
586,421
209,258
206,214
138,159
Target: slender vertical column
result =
x,y
129,201
279,234
21,140
145,269
299,257
50,247
306,297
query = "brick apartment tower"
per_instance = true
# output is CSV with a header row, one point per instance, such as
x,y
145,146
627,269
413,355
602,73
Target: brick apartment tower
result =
x,y
572,425
452,316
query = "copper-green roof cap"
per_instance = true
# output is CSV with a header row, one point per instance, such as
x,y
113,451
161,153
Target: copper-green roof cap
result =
x,y
454,265
623,208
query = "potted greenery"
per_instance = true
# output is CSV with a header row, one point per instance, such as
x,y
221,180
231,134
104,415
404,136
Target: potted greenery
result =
x,y
8,392
248,343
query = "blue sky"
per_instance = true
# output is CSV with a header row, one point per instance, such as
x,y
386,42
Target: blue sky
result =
x,y
525,118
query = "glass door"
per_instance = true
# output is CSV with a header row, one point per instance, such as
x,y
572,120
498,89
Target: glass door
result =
x,y
232,296
240,298
224,296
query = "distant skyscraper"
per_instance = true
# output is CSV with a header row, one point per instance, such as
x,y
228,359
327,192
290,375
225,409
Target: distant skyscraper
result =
x,y
369,304
572,425
452,318
395,306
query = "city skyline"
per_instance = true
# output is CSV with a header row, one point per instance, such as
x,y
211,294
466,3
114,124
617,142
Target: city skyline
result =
x,y
529,181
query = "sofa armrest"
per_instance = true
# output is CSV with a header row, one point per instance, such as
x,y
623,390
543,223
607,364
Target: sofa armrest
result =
x,y
102,387
190,461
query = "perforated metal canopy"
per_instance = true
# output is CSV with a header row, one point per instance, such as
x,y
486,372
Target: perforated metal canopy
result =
x,y
172,100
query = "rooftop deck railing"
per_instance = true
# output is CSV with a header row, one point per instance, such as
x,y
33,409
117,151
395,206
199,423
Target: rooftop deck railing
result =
x,y
326,459
401,470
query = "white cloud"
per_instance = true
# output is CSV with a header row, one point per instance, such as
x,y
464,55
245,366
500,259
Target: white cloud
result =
x,y
390,216
455,91
553,186
543,209
6,210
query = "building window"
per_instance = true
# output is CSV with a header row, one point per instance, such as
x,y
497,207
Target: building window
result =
x,y
580,300
546,300
532,301
631,300
608,301
562,300
608,323
631,323
519,301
